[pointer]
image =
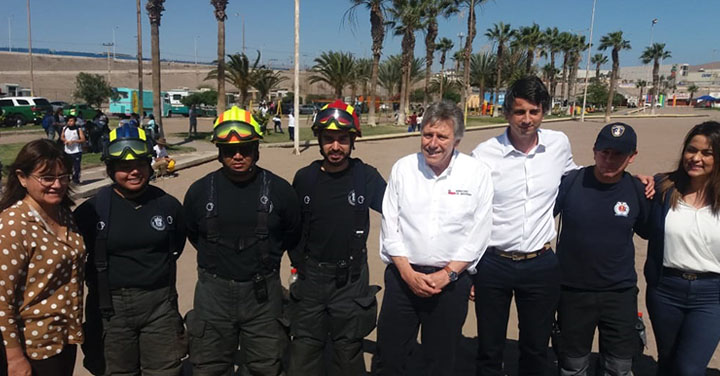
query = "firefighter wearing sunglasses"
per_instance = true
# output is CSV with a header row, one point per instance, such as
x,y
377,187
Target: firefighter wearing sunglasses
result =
x,y
332,300
134,233
240,218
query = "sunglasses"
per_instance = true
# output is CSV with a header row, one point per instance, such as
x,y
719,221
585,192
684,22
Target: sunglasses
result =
x,y
234,131
229,151
49,180
341,119
120,149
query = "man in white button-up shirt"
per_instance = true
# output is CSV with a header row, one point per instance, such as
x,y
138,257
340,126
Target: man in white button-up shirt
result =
x,y
527,164
435,227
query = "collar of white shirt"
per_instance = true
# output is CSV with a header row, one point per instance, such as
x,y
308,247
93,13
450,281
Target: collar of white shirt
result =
x,y
508,147
429,173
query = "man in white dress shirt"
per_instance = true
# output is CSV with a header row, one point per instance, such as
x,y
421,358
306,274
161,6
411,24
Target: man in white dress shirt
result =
x,y
526,165
435,227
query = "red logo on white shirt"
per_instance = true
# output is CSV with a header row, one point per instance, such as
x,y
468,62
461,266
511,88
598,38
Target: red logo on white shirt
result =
x,y
621,209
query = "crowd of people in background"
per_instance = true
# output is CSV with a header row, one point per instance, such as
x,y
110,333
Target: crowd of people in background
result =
x,y
455,227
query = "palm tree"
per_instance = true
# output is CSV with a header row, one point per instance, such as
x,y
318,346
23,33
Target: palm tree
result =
x,y
598,60
448,84
578,46
655,53
406,16
360,77
548,72
220,16
332,68
433,9
530,38
692,89
551,41
377,32
457,57
390,74
565,43
444,45
641,84
155,9
501,34
239,73
267,80
482,71
471,31
616,43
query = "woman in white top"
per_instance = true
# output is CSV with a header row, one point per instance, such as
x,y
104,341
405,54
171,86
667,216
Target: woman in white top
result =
x,y
73,137
683,265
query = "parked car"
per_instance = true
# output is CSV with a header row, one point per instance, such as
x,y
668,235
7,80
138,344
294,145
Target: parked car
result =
x,y
88,113
307,109
23,110
56,105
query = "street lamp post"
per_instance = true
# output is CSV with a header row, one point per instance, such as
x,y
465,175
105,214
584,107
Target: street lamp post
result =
x,y
296,86
113,41
196,61
9,34
108,45
242,21
32,76
587,64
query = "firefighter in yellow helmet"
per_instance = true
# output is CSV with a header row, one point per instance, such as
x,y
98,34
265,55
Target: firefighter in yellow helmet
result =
x,y
332,300
134,233
240,218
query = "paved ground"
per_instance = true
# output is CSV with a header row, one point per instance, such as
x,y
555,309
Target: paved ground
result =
x,y
659,146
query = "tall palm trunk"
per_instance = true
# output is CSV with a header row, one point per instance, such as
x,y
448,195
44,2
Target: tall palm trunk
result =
x,y
139,58
656,84
498,80
573,81
432,33
552,77
377,30
468,51
442,73
408,43
597,71
155,9
220,16
563,84
613,78
530,58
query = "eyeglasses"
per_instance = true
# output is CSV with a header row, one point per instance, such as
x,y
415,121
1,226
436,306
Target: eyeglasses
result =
x,y
49,180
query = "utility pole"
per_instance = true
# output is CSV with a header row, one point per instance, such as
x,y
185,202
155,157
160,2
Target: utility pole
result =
x,y
108,45
32,76
113,41
296,96
196,61
587,64
655,88
141,104
9,34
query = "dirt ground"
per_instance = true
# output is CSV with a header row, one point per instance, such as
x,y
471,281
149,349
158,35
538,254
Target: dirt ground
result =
x,y
659,142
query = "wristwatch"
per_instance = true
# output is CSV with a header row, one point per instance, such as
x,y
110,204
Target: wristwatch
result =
x,y
451,273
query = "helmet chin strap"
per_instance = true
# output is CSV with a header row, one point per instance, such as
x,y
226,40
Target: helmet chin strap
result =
x,y
128,194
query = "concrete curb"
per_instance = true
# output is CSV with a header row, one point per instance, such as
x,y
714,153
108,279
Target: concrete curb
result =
x,y
22,131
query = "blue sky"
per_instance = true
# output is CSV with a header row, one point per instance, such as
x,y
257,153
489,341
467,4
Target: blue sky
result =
x,y
687,27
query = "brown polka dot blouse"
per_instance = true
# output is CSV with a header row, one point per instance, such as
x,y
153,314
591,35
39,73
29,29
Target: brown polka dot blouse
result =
x,y
41,282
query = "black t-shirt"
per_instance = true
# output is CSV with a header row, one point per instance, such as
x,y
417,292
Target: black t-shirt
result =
x,y
237,255
332,221
138,237
595,247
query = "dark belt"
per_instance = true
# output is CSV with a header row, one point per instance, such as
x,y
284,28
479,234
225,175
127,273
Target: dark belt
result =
x,y
689,276
425,269
520,256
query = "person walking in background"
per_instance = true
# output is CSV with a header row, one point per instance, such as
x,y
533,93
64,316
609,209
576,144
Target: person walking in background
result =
x,y
192,118
58,123
683,263
291,125
73,138
43,257
135,233
277,121
152,127
48,125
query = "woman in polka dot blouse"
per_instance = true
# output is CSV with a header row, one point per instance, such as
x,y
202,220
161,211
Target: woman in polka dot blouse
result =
x,y
41,264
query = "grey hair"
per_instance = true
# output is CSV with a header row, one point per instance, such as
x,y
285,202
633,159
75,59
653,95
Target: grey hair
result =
x,y
445,110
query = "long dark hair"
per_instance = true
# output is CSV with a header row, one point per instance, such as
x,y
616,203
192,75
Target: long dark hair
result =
x,y
42,153
679,179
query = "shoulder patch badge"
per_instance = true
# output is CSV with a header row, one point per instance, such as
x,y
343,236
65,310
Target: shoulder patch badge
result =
x,y
621,209
158,223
